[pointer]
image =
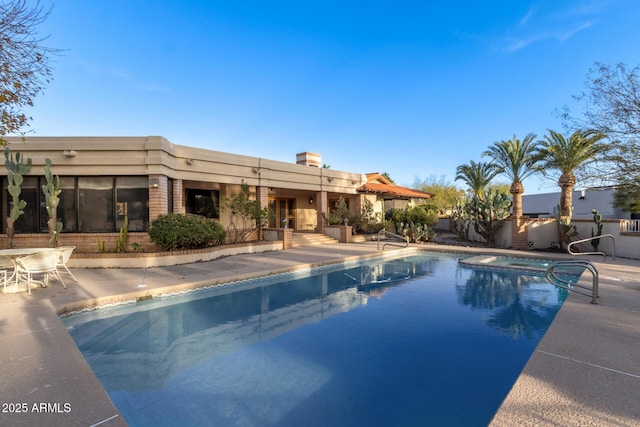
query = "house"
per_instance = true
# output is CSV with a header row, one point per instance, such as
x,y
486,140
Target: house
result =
x,y
105,179
392,196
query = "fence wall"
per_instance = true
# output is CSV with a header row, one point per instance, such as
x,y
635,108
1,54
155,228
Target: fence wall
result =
x,y
542,233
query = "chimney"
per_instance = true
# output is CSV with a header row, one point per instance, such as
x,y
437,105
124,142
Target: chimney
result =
x,y
309,159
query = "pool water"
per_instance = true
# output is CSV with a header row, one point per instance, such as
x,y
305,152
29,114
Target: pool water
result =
x,y
412,341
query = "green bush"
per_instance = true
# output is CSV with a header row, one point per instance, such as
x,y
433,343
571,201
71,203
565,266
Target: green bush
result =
x,y
415,222
338,214
178,231
366,222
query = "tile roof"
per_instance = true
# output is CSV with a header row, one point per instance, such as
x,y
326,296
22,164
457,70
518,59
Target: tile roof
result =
x,y
394,191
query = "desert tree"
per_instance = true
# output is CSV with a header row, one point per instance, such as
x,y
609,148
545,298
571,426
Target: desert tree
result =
x,y
610,104
24,62
445,193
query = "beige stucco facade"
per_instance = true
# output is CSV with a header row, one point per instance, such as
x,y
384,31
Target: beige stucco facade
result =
x,y
300,193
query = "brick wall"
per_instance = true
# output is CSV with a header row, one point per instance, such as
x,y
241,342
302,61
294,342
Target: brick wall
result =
x,y
519,235
84,242
262,196
158,197
178,194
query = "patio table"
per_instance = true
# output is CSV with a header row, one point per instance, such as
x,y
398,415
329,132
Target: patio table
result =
x,y
14,254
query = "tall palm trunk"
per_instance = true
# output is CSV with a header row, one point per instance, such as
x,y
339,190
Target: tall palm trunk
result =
x,y
516,190
566,182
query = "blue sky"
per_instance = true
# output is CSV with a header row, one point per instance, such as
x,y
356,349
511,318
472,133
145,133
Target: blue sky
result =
x,y
412,88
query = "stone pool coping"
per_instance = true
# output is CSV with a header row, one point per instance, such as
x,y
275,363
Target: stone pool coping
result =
x,y
572,378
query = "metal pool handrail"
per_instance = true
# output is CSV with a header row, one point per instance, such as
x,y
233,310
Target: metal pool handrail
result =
x,y
613,252
388,233
567,284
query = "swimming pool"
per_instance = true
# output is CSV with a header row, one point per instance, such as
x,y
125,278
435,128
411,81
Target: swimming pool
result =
x,y
411,341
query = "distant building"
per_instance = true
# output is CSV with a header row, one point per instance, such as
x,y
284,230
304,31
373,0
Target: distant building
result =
x,y
546,205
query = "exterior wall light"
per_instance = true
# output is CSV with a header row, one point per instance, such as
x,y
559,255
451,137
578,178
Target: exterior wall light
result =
x,y
69,153
310,200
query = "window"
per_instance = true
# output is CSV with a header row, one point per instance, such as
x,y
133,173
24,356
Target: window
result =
x,y
87,204
95,207
28,222
35,217
67,206
203,202
132,200
169,195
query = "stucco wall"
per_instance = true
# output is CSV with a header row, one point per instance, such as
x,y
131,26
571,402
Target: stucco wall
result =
x,y
542,234
151,155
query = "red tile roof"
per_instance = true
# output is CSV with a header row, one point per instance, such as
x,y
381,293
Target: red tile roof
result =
x,y
394,191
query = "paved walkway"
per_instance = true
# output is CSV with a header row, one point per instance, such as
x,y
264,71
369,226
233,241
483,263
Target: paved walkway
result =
x,y
586,370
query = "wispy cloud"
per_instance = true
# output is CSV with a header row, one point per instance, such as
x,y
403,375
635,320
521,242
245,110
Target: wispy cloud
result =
x,y
525,19
564,36
514,44
538,25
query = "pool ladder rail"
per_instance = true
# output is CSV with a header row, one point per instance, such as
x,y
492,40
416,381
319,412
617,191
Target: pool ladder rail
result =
x,y
386,233
575,287
613,240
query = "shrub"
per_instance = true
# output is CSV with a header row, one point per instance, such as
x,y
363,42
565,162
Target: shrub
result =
x,y
188,231
415,222
246,215
338,214
368,221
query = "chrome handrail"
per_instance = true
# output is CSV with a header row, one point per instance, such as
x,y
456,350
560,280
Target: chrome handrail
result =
x,y
397,236
567,284
613,253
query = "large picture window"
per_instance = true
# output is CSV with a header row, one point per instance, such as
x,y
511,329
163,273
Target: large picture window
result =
x,y
203,202
132,200
95,207
103,203
87,204
35,217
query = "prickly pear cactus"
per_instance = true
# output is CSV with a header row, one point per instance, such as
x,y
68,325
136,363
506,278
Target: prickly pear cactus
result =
x,y
489,214
16,170
51,191
566,230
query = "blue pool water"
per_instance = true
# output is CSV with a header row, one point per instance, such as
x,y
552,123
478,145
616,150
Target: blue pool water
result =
x,y
413,341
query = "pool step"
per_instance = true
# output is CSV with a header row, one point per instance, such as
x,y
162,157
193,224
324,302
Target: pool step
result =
x,y
310,239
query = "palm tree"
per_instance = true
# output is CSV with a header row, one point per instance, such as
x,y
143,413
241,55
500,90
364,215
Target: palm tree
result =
x,y
516,159
566,155
477,176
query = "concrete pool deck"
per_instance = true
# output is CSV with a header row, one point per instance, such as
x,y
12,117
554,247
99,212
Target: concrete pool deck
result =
x,y
585,371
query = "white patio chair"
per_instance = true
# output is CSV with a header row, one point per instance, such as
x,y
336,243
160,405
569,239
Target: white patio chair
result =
x,y
7,270
44,263
65,253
